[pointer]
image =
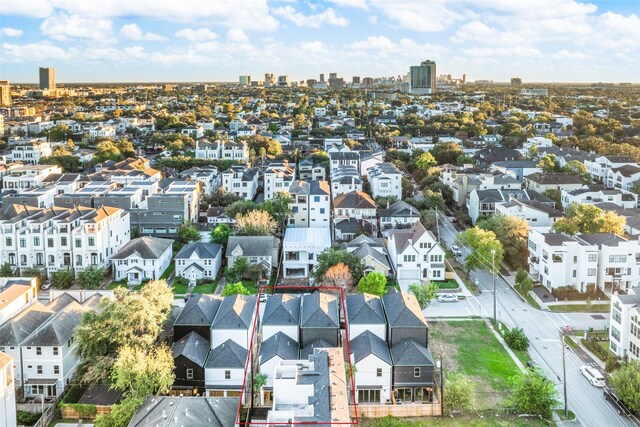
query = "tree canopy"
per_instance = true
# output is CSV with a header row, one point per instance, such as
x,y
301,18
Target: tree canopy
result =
x,y
424,292
373,283
589,219
533,394
625,382
255,223
220,234
237,288
513,235
482,243
330,257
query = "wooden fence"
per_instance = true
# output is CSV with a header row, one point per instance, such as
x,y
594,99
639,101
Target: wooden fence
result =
x,y
404,410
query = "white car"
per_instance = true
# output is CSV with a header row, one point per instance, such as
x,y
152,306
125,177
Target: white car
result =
x,y
447,298
592,375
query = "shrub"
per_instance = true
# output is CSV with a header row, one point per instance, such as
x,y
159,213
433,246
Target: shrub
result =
x,y
516,339
28,418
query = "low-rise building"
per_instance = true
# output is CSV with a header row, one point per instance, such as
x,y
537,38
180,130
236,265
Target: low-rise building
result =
x,y
199,260
258,250
241,181
482,203
143,258
278,177
596,194
624,325
310,204
385,180
536,214
8,414
301,247
542,182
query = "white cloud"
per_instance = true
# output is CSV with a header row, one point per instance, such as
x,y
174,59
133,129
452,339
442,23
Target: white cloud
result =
x,y
236,35
31,8
418,15
571,55
133,32
373,42
63,27
315,21
32,52
373,19
201,34
10,32
360,4
477,31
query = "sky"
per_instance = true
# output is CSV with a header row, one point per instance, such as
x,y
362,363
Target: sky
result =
x,y
218,40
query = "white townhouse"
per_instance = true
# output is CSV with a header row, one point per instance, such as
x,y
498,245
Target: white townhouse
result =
x,y
482,203
199,260
61,238
30,152
105,131
535,213
385,180
301,247
222,150
16,293
594,194
281,315
344,157
605,260
310,204
345,179
415,255
369,161
8,414
208,176
373,365
624,325
623,177
310,171
143,258
278,177
241,181
598,166
398,215
28,176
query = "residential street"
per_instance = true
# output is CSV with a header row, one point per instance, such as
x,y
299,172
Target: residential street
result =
x,y
543,329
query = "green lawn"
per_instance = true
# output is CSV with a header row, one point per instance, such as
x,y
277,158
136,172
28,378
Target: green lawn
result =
x,y
179,289
467,421
205,288
447,284
586,308
167,273
470,347
523,356
115,284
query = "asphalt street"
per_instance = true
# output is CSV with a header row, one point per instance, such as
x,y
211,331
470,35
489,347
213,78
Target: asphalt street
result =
x,y
543,329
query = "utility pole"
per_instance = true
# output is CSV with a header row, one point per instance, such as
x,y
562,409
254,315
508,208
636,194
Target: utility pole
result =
x,y
437,225
493,270
564,377
441,382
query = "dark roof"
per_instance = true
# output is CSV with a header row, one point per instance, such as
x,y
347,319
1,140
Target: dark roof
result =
x,y
402,309
308,349
368,343
399,209
200,310
602,239
319,310
235,312
409,352
59,328
280,345
282,309
627,170
162,411
201,249
147,247
364,309
554,178
229,354
252,245
557,239
15,330
354,200
193,347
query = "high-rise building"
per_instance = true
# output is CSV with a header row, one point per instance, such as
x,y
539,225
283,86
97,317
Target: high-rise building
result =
x,y
321,78
47,78
367,82
283,81
269,79
355,80
5,93
333,76
422,78
245,80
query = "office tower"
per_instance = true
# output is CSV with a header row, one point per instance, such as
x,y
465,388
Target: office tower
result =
x,y
367,82
311,82
355,80
47,78
516,81
333,76
283,80
321,78
245,80
5,93
422,78
269,79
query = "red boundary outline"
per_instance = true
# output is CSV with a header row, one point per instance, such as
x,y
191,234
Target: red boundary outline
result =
x,y
246,365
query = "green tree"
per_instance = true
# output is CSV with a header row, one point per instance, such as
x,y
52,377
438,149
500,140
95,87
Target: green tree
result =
x,y
373,283
446,152
6,270
548,163
460,392
533,394
120,414
271,146
424,292
259,381
140,372
255,223
68,162
220,234
91,278
279,207
240,207
426,161
589,219
106,150
34,272
58,133
516,339
513,235
237,272
62,279
482,243
625,382
188,233
331,257
575,167
235,289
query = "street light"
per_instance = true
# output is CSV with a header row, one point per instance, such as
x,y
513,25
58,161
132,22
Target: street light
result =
x,y
493,270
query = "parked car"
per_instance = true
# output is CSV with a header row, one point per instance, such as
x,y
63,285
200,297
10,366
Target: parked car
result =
x,y
458,252
447,298
46,285
454,248
263,297
592,375
621,408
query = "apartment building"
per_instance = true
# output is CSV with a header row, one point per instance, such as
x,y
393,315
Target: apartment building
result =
x,y
624,325
222,150
385,180
599,166
594,194
310,204
32,176
62,238
30,152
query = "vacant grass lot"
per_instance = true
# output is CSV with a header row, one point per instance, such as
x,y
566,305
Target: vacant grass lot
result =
x,y
581,308
470,347
465,421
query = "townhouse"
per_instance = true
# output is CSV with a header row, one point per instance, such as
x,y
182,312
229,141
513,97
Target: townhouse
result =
x,y
207,175
8,414
599,166
240,180
278,177
542,182
344,157
398,215
28,176
595,194
301,247
312,171
60,238
482,203
415,255
519,169
624,325
16,293
353,213
623,177
464,181
385,180
30,152
536,214
310,204
372,253
345,179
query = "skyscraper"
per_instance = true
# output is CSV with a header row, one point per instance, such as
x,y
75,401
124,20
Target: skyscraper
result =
x,y
5,93
422,78
47,78
245,80
269,79
321,78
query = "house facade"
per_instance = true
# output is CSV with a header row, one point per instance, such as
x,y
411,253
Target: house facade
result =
x,y
144,258
199,260
415,255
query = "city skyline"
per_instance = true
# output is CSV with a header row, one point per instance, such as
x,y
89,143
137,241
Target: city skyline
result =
x,y
539,41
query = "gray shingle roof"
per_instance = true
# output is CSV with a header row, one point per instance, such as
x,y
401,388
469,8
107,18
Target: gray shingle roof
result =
x,y
146,247
402,310
282,309
364,309
59,328
193,347
160,411
368,343
202,249
399,209
280,345
15,330
229,354
319,310
200,310
251,245
235,312
308,349
408,352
